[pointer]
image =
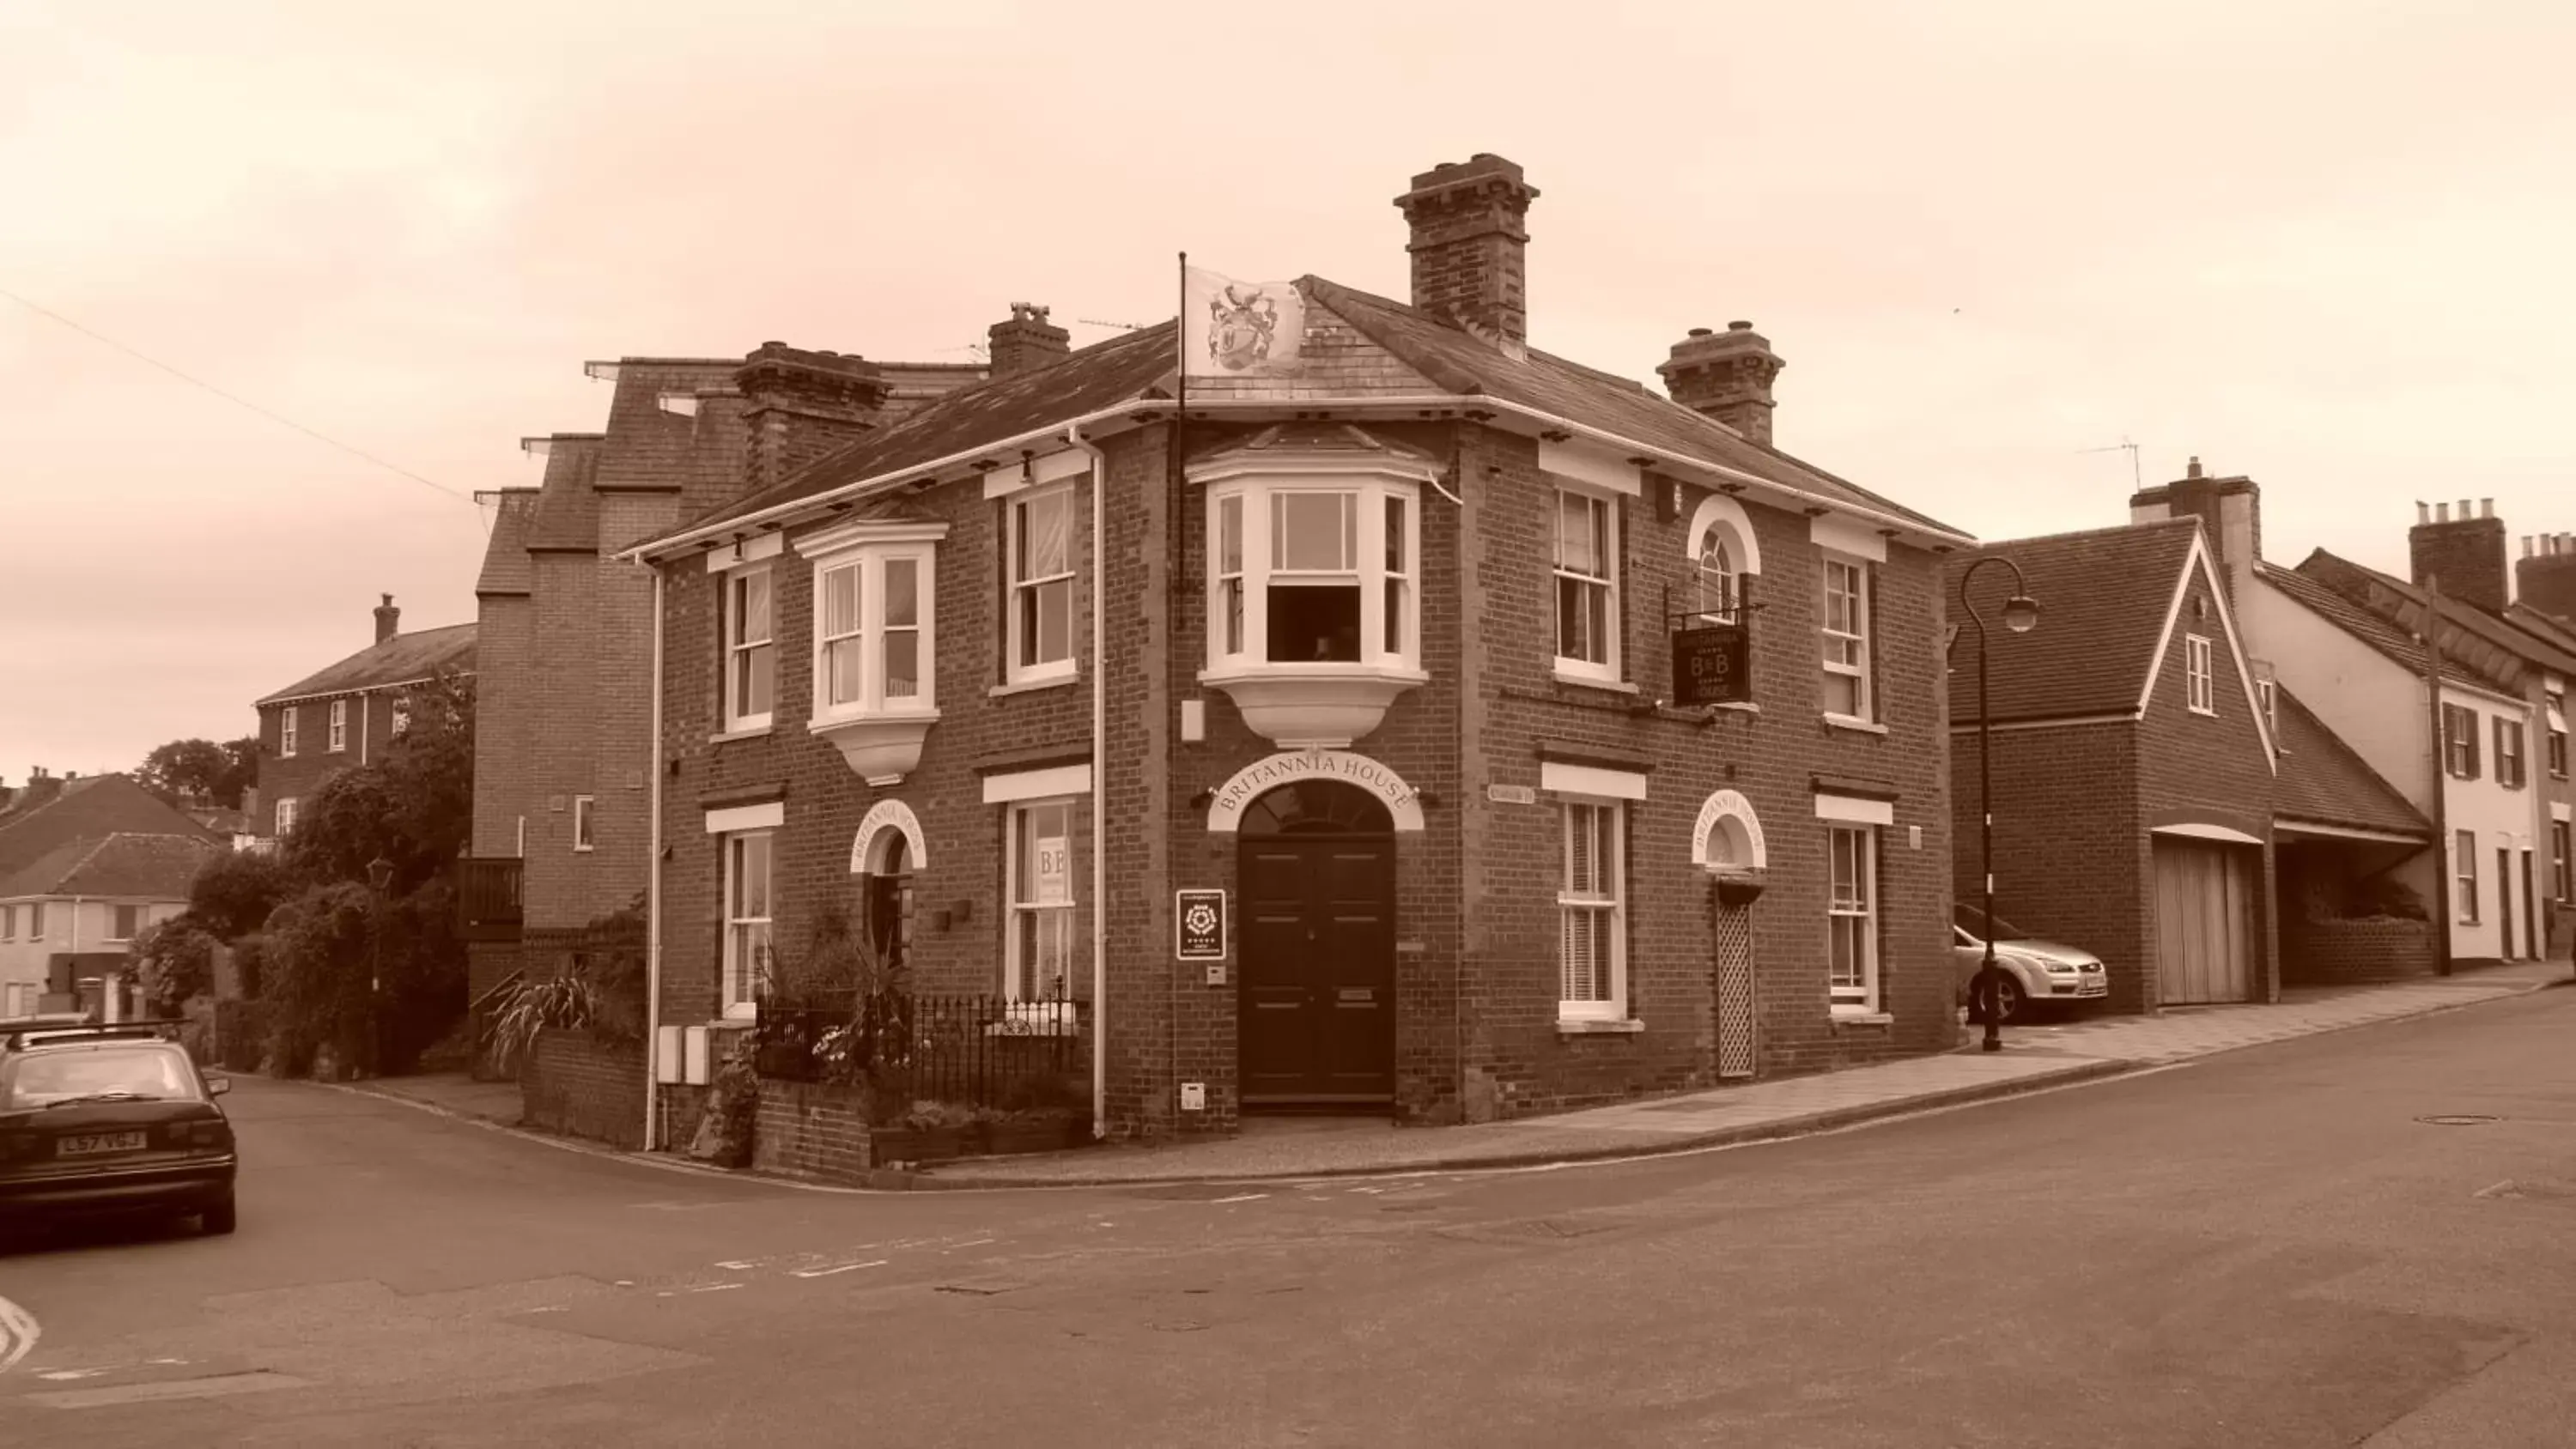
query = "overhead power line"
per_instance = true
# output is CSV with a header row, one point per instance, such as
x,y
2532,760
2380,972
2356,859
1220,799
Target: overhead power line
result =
x,y
238,401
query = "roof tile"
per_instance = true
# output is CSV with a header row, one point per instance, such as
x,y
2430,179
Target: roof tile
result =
x,y
399,660
2322,781
2103,596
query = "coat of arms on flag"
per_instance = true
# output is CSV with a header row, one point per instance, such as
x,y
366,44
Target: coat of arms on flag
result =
x,y
1239,329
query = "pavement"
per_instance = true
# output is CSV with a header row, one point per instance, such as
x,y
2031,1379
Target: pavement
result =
x,y
2357,1238
2036,1057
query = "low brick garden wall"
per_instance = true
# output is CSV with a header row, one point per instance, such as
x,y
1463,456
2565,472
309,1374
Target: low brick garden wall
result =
x,y
2354,952
814,1131
572,1084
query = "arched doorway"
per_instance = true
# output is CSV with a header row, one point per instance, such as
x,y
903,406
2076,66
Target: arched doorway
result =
x,y
885,902
1316,867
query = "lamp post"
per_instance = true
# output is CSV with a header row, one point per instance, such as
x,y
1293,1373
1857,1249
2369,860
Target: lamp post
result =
x,y
380,874
2021,615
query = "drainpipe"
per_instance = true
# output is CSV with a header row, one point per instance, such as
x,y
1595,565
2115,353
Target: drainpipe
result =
x,y
366,717
653,895
2443,868
1099,794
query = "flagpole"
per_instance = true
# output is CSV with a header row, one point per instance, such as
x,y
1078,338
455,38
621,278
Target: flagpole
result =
x,y
1181,351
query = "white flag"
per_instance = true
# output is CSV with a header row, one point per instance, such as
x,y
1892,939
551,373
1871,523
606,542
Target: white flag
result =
x,y
1239,329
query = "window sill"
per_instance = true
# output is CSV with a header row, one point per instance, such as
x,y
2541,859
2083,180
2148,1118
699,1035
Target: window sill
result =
x,y
1594,681
1735,707
1313,705
1032,686
1591,1026
746,732
1846,1017
1855,724
2203,713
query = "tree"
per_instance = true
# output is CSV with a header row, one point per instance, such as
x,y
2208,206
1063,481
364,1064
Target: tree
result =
x,y
413,807
174,962
200,769
236,890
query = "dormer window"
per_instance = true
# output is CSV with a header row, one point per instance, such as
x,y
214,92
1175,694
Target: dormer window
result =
x,y
875,694
1313,576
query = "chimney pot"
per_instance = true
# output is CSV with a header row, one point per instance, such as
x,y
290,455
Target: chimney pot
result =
x,y
388,619
1026,342
2441,513
2486,508
1739,326
1701,332
2423,512
2193,470
2464,510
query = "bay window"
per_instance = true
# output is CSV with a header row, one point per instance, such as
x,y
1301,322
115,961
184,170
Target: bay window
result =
x,y
1041,574
875,696
1587,588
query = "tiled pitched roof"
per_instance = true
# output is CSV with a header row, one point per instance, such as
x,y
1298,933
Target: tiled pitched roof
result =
x,y
2548,627
2323,782
86,809
2373,590
1096,377
647,447
1457,362
1461,362
160,867
2103,596
399,660
567,509
505,557
2368,627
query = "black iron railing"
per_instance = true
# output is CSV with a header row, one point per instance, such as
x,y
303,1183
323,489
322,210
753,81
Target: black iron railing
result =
x,y
984,1051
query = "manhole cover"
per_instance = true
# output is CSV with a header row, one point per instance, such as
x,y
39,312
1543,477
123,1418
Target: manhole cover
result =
x,y
2461,1119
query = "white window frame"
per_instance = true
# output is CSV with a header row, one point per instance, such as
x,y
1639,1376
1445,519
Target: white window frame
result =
x,y
2464,876
2460,744
2510,771
1856,641
584,823
747,935
142,918
2200,674
35,920
1713,561
2562,860
1021,902
285,816
738,652
401,718
1027,590
8,923
1242,593
1863,998
1612,902
2270,693
337,741
868,561
1603,505
286,732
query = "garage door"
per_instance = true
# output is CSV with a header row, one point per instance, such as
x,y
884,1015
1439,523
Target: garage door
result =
x,y
2204,923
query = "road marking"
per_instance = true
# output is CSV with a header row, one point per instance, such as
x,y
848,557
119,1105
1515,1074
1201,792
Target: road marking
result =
x,y
839,1268
18,1334
739,1265
714,1287
969,1243
1239,1197
218,1386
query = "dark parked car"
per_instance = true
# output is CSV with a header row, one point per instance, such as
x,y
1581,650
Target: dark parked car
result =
x,y
98,1120
2034,971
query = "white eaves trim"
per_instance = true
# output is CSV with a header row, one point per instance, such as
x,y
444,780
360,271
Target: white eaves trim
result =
x,y
1591,780
2206,832
748,551
1589,465
2345,832
1037,473
1854,810
1037,784
2198,562
768,815
1845,536
1404,408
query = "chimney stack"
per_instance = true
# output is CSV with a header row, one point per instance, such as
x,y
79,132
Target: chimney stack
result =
x,y
2545,578
2468,551
1470,246
388,620
799,405
1027,342
1726,375
2230,511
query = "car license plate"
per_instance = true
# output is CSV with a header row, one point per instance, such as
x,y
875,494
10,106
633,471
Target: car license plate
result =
x,y
94,1144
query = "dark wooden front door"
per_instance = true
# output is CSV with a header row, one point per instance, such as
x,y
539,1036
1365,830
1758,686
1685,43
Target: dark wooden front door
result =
x,y
1318,1004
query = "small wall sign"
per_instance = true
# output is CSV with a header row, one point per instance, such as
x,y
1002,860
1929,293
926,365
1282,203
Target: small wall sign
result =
x,y
1198,919
1709,666
1511,794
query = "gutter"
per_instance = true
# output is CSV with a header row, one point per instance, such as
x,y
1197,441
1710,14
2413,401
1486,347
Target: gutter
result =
x,y
653,895
776,514
1099,790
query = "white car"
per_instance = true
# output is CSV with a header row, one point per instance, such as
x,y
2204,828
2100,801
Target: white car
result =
x,y
2033,970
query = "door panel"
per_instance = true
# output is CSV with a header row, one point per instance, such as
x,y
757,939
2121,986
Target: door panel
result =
x,y
1318,998
2204,924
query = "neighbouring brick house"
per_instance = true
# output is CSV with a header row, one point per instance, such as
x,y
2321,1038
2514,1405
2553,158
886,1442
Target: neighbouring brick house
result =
x,y
2457,563
2369,680
85,865
2133,764
345,714
1376,642
563,700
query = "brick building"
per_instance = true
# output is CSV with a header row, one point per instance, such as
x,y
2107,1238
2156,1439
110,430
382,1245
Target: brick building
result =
x,y
564,697
1377,641
345,714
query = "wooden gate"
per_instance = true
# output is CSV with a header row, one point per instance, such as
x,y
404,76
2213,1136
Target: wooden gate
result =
x,y
2205,949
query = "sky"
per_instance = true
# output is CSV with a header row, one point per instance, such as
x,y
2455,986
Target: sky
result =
x,y
2323,244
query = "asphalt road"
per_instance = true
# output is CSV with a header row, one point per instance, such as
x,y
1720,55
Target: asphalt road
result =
x,y
2264,1249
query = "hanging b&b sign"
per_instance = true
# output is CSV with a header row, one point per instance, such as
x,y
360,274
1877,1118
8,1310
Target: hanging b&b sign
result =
x,y
1710,666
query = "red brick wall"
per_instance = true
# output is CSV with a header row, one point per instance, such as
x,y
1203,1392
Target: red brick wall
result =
x,y
504,720
574,1085
815,1132
568,632
2353,952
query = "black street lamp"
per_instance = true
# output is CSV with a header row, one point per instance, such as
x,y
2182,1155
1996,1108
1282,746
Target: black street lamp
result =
x,y
380,874
2021,615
